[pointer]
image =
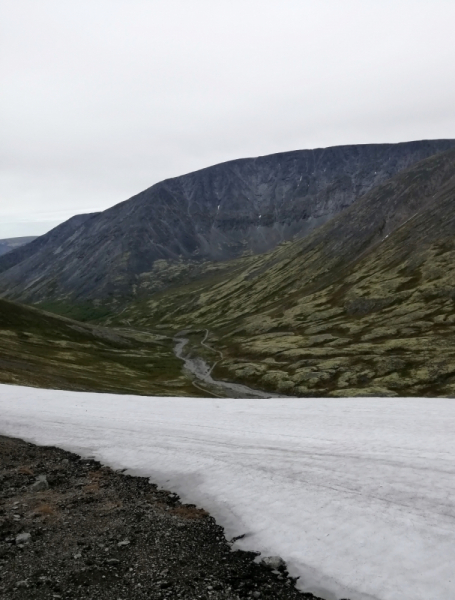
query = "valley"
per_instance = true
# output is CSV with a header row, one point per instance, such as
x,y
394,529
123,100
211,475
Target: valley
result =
x,y
202,369
360,304
360,307
227,300
295,388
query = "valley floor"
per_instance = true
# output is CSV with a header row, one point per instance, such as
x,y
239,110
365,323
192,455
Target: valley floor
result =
x,y
357,495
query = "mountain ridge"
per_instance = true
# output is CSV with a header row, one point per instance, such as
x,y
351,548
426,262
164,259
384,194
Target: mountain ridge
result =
x,y
219,213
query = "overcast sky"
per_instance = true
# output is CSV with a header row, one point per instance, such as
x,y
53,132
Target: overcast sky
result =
x,y
100,99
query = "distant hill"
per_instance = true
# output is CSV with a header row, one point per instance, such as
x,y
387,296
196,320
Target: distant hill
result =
x,y
12,243
236,208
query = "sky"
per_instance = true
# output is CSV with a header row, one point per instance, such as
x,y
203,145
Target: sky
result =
x,y
101,99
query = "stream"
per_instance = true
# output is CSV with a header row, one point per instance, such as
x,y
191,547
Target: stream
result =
x,y
202,371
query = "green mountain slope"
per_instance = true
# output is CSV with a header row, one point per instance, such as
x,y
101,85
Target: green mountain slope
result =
x,y
44,350
364,305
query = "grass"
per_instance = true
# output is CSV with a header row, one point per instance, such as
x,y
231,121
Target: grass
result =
x,y
43,350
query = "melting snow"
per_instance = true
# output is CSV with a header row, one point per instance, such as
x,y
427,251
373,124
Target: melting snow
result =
x,y
357,495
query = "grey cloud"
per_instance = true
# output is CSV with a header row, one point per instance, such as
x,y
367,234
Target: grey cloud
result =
x,y
103,98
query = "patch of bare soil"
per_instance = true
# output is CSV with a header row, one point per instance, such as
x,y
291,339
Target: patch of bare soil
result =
x,y
72,528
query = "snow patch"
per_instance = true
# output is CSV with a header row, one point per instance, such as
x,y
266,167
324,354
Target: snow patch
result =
x,y
356,495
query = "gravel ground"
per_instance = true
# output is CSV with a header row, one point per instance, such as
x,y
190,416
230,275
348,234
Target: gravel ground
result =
x,y
72,528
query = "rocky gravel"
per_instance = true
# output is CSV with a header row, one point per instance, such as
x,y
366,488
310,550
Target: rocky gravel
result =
x,y
73,528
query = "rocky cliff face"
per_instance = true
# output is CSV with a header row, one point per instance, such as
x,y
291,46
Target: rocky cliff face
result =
x,y
218,213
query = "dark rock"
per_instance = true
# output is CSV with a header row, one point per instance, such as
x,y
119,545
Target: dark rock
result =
x,y
23,538
40,484
274,562
162,561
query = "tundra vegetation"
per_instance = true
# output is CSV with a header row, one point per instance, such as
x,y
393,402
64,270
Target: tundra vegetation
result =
x,y
40,349
361,305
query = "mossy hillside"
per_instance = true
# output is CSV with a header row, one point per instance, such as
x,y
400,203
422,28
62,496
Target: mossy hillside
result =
x,y
371,333
44,350
316,317
91,312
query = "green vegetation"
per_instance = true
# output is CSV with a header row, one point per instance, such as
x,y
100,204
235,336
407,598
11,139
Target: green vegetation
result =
x,y
363,306
43,350
90,312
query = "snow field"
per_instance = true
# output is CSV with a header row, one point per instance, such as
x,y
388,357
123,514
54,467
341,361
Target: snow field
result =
x,y
357,495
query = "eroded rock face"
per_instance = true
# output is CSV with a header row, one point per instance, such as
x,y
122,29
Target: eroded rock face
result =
x,y
218,213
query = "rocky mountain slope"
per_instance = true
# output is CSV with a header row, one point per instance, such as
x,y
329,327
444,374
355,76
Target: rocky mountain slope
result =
x,y
363,305
237,208
53,238
9,244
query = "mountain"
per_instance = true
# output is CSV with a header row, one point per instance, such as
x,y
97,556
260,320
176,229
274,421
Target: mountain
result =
x,y
11,243
54,238
364,305
44,350
234,209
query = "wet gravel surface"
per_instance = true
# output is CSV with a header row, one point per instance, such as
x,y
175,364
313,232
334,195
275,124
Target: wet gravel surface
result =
x,y
72,528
